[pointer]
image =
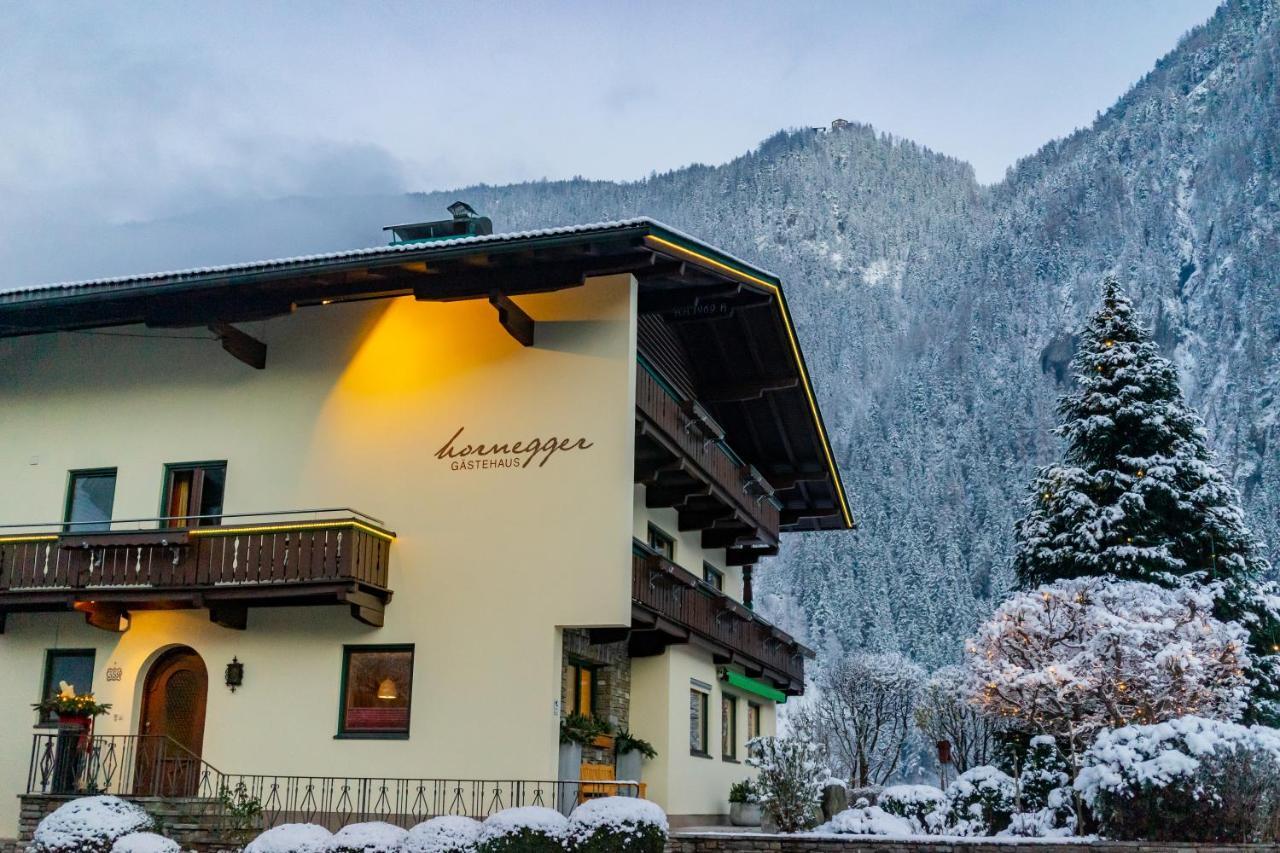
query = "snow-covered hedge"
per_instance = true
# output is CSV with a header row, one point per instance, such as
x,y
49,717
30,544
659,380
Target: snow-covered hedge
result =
x,y
292,838
1189,779
867,820
145,842
920,805
447,834
531,829
981,802
88,825
372,837
617,825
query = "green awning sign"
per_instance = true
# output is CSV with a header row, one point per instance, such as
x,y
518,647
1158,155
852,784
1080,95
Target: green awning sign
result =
x,y
750,685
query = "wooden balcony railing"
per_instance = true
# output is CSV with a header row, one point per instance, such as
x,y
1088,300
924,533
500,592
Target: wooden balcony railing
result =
x,y
695,439
667,593
227,568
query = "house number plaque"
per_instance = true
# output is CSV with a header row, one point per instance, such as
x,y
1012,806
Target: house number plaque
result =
x,y
114,673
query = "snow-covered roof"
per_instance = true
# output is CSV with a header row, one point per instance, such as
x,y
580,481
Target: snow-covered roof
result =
x,y
54,290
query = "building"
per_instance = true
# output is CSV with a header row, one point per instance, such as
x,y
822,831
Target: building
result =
x,y
350,528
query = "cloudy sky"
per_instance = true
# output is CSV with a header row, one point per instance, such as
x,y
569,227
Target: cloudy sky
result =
x,y
126,112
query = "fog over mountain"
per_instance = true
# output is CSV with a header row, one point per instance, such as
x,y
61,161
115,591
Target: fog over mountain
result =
x,y
937,314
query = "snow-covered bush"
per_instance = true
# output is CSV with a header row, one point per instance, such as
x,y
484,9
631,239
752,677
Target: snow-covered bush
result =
x,y
617,825
531,829
372,837
945,712
291,838
145,842
867,820
1189,779
1045,797
980,802
791,779
1077,656
88,825
446,834
914,803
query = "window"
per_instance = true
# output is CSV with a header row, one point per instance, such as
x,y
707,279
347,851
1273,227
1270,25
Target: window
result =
x,y
713,576
753,720
90,497
698,723
377,683
728,728
73,667
579,689
662,543
193,494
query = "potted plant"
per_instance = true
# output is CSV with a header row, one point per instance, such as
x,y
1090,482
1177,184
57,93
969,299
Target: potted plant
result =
x,y
576,731
632,752
74,710
75,713
744,805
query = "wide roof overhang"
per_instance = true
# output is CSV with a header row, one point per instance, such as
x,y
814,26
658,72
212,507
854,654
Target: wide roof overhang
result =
x,y
729,319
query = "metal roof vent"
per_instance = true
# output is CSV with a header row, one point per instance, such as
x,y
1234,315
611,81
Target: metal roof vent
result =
x,y
465,223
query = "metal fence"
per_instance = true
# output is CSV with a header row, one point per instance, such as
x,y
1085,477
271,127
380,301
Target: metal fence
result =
x,y
70,762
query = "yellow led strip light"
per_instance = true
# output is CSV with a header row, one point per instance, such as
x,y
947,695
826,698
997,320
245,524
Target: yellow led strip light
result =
x,y
677,249
276,528
29,538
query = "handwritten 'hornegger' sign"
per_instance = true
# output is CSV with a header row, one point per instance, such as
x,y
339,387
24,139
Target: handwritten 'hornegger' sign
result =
x,y
465,456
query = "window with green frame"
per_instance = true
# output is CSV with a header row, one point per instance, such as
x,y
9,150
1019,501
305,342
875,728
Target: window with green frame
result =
x,y
728,727
91,495
72,667
698,723
662,542
377,689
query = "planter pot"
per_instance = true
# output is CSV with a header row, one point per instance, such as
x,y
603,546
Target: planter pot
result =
x,y
745,814
628,769
570,771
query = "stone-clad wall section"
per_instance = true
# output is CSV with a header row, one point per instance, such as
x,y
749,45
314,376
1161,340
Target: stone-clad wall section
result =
x,y
718,843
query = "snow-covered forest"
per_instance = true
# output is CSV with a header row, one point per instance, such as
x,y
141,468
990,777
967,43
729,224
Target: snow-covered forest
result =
x,y
940,316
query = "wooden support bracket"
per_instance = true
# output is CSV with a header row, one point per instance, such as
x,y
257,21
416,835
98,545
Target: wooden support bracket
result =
x,y
250,350
513,318
234,616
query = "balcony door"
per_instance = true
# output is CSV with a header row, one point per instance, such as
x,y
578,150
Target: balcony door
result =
x,y
172,726
193,494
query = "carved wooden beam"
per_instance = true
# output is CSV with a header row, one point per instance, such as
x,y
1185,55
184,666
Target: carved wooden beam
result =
x,y
749,556
751,390
513,318
250,350
234,616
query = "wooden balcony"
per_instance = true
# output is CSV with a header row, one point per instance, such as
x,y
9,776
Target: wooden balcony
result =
x,y
671,605
227,569
684,463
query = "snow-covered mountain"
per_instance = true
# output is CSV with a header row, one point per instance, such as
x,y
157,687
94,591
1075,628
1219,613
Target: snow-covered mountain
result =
x,y
938,314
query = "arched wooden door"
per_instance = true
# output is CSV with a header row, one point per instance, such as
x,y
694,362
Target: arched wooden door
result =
x,y
172,726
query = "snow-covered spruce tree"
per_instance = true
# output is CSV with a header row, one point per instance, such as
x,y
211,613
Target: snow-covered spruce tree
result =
x,y
1138,495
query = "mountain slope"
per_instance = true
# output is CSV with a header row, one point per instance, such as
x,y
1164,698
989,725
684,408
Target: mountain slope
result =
x,y
937,315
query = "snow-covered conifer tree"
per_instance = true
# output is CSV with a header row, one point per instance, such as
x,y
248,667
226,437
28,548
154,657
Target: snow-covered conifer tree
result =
x,y
1138,495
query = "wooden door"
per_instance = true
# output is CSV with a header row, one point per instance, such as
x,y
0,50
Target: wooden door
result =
x,y
173,709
